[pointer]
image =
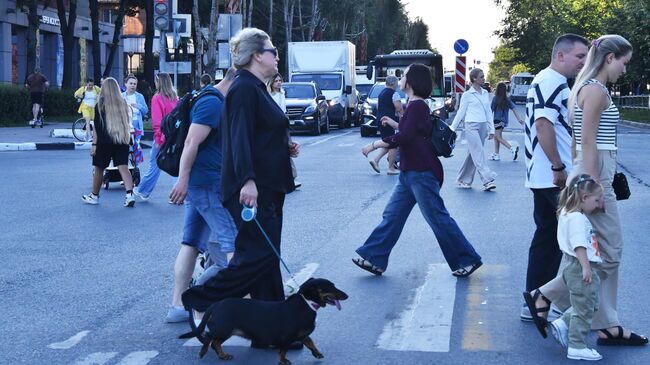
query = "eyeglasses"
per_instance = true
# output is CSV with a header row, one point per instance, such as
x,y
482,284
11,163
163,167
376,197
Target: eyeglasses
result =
x,y
273,50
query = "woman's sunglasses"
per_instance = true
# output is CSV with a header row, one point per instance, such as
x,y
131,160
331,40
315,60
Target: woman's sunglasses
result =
x,y
273,50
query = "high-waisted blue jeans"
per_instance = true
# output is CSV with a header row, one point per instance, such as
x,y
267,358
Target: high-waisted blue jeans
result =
x,y
423,188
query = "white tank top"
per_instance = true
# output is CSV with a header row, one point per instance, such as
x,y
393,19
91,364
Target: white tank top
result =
x,y
606,136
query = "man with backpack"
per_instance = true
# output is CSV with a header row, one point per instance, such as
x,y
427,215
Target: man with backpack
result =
x,y
198,185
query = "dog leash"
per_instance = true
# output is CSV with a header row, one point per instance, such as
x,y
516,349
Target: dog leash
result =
x,y
250,214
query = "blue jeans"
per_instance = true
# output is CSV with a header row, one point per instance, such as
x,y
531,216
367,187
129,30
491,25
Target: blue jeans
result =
x,y
206,216
148,182
423,188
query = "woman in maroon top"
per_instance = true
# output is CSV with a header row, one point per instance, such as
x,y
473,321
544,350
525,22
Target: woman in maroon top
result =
x,y
419,182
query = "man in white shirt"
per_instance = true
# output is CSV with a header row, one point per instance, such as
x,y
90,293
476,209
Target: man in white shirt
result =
x,y
548,154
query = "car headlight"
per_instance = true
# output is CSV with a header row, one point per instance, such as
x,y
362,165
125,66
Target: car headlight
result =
x,y
310,109
367,108
334,101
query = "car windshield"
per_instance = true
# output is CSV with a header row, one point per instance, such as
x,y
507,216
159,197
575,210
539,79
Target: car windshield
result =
x,y
324,81
374,92
363,89
299,91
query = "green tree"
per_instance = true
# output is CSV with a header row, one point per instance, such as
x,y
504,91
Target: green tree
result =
x,y
501,66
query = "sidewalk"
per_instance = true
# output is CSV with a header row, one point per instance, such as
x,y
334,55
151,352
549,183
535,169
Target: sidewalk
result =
x,y
29,139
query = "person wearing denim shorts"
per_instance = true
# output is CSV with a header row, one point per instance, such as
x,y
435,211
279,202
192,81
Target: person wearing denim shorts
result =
x,y
198,185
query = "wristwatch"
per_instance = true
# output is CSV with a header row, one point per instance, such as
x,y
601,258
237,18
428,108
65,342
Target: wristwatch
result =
x,y
556,169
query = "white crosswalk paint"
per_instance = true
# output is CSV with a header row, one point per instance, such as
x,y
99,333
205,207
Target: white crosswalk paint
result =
x,y
345,144
96,358
425,325
327,139
301,276
72,341
138,358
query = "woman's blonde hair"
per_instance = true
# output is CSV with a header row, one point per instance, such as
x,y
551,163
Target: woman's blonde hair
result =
x,y
600,49
116,112
165,87
269,84
571,195
245,44
474,74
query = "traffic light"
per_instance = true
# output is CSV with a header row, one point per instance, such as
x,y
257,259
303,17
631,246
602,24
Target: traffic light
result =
x,y
162,10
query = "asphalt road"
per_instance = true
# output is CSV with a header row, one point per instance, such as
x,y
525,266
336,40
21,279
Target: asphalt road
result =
x,y
90,284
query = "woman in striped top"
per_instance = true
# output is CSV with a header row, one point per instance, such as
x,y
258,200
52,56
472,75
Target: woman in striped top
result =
x,y
594,118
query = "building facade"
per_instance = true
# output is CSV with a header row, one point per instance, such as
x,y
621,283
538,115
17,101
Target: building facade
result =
x,y
13,44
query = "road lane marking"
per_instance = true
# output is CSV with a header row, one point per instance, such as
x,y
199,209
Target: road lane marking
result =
x,y
96,358
138,358
345,144
305,273
486,306
300,277
425,325
72,341
327,139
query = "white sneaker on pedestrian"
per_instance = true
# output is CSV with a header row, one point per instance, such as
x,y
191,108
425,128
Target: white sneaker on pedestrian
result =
x,y
489,186
463,185
495,157
140,195
560,332
515,151
129,200
583,354
31,122
177,314
91,199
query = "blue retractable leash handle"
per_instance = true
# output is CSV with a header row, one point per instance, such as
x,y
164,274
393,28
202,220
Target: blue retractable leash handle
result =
x,y
250,214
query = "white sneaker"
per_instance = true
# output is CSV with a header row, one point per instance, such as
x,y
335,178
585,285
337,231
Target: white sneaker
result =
x,y
31,122
463,185
91,199
583,354
495,157
129,200
490,185
140,195
515,151
560,332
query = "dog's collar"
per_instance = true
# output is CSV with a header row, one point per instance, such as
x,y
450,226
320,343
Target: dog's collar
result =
x,y
312,305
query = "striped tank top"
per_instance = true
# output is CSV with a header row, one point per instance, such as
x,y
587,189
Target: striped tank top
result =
x,y
606,136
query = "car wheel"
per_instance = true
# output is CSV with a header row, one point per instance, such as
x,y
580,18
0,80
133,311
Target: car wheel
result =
x,y
316,130
326,128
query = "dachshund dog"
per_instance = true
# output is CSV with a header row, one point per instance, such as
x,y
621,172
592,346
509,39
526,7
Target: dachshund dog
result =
x,y
266,323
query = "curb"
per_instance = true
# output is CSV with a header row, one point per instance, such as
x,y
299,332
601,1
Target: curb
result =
x,y
46,146
636,124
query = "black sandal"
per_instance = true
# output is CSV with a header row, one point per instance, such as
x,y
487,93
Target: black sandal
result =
x,y
368,266
611,340
540,322
463,272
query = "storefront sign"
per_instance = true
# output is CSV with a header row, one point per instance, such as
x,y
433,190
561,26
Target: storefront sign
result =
x,y
50,20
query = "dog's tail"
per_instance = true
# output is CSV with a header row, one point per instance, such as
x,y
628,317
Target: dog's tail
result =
x,y
197,332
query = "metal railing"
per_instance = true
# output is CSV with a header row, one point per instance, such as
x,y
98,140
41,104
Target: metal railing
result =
x,y
638,102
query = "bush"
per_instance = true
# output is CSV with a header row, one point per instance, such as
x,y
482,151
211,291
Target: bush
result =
x,y
16,105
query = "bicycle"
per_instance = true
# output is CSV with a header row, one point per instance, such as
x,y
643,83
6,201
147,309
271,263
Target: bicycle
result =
x,y
79,130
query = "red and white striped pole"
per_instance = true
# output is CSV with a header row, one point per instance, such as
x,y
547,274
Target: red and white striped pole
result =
x,y
459,80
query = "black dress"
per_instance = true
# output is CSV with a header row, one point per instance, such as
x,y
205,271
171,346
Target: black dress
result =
x,y
255,146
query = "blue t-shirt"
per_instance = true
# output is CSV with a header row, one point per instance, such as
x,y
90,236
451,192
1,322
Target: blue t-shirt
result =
x,y
502,114
206,170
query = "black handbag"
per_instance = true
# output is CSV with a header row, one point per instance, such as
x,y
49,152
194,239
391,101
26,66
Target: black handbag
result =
x,y
621,188
443,138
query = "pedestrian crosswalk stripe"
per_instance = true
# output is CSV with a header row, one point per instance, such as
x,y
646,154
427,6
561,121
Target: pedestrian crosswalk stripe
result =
x,y
96,358
425,325
72,341
138,358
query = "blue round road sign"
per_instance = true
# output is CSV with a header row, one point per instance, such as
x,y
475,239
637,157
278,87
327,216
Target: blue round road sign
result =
x,y
461,46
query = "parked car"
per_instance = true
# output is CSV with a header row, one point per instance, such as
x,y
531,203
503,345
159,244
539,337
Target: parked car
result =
x,y
306,107
370,125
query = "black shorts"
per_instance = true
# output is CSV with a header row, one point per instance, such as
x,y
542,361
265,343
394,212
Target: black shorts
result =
x,y
119,153
37,98
499,124
386,131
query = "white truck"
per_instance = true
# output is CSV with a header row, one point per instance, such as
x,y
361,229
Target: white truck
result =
x,y
519,85
331,66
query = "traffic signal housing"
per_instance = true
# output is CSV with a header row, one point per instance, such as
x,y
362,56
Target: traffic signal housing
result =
x,y
162,10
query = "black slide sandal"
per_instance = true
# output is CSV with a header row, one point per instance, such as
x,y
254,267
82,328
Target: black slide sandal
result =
x,y
368,266
540,322
611,340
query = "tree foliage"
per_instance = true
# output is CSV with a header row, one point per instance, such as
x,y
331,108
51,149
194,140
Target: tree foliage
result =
x,y
531,27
